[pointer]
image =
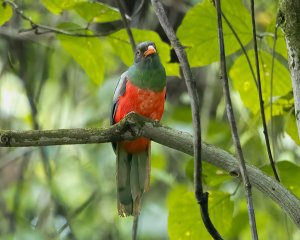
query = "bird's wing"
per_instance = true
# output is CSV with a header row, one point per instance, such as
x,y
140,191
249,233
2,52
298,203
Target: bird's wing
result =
x,y
119,91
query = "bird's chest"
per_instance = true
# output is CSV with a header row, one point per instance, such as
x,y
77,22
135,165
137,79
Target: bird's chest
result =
x,y
142,101
148,102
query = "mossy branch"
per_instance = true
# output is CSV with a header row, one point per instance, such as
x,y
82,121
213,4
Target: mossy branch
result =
x,y
133,126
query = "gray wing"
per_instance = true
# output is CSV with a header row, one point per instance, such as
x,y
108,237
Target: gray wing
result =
x,y
119,91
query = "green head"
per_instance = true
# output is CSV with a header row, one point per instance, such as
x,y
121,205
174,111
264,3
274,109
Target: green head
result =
x,y
147,71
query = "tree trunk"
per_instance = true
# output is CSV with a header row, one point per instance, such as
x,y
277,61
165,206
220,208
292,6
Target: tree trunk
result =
x,y
289,14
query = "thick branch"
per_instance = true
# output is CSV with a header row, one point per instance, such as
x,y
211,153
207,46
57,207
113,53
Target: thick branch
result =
x,y
289,13
134,126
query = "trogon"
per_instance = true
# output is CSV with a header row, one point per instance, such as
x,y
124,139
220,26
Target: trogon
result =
x,y
141,89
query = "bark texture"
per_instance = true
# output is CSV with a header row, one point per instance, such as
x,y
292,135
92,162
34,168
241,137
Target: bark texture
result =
x,y
289,18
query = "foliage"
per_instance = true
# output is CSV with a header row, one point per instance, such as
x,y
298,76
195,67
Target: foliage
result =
x,y
287,172
89,57
190,226
96,12
63,81
202,42
244,83
5,13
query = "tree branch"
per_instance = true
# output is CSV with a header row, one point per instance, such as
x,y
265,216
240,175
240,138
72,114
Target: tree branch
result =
x,y
232,122
40,29
260,96
133,126
271,86
201,196
240,43
126,25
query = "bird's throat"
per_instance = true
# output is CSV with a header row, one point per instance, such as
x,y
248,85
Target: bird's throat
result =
x,y
149,74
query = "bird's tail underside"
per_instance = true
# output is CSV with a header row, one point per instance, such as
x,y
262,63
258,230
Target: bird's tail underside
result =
x,y
133,179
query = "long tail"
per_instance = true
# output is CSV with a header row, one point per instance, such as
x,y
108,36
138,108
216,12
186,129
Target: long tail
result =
x,y
133,179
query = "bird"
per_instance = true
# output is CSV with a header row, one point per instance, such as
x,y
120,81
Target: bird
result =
x,y
142,90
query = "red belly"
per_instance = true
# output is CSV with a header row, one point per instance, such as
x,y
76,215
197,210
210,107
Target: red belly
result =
x,y
136,146
144,102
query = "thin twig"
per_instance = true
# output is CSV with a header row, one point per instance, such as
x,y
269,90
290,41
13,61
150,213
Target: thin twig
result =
x,y
236,188
40,29
33,108
202,198
261,101
135,227
76,212
17,196
134,126
258,85
8,215
264,34
271,86
231,118
241,45
126,25
138,9
13,156
36,28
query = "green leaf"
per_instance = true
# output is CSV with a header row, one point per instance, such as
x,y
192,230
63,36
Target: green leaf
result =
x,y
281,106
184,221
57,6
284,106
218,132
291,128
243,81
181,114
120,43
52,6
179,190
199,33
5,13
97,12
172,69
288,173
86,51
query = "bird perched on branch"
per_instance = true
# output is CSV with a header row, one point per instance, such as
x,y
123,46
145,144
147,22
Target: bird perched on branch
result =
x,y
141,89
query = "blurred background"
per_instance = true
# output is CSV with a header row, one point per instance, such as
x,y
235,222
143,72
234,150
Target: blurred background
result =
x,y
52,81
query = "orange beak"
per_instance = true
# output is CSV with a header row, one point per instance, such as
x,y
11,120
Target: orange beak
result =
x,y
149,51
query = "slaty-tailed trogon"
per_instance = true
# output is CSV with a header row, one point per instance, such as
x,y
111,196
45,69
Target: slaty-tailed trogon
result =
x,y
141,89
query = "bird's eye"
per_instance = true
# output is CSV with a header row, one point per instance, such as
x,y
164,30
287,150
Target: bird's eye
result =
x,y
138,52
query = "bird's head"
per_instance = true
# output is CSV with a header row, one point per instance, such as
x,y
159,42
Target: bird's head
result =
x,y
147,72
145,51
